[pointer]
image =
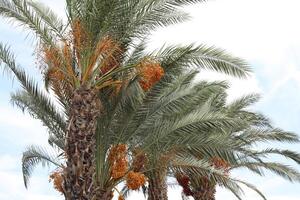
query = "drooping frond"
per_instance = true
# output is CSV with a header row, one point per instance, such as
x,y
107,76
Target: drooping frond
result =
x,y
255,135
295,156
49,17
35,155
32,98
35,17
252,187
282,170
40,107
7,60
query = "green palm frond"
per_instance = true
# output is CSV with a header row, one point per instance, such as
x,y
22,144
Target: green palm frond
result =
x,y
55,141
136,52
32,98
282,170
31,15
41,107
255,135
202,57
252,187
169,97
7,59
141,110
35,155
152,14
48,17
266,153
243,102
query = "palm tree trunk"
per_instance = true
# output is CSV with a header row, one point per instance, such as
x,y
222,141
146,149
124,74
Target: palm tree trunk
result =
x,y
205,193
158,189
103,195
80,146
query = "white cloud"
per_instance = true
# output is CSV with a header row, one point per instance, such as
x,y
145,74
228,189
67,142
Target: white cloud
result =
x,y
23,128
264,32
12,187
10,162
58,6
254,29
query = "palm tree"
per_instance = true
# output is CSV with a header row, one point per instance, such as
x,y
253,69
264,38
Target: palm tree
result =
x,y
172,94
85,61
187,123
178,90
240,152
182,152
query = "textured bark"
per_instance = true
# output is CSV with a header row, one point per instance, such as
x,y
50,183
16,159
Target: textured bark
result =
x,y
158,189
103,195
80,145
205,193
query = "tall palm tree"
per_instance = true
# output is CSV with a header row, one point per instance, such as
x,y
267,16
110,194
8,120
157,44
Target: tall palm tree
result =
x,y
187,123
240,152
85,61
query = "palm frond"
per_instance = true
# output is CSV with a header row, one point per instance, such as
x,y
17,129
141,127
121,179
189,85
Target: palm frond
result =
x,y
21,12
32,97
295,156
49,18
282,170
243,102
41,107
252,187
202,57
7,59
255,135
35,155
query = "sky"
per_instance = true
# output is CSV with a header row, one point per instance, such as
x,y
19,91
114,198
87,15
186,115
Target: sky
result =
x,y
263,32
